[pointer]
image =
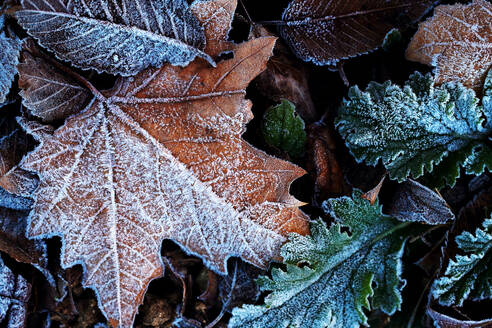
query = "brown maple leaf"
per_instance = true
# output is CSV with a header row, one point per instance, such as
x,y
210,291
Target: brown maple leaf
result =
x,y
161,156
457,40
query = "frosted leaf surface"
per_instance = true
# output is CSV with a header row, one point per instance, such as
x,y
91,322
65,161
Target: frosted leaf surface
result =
x,y
9,58
416,203
414,128
162,157
457,40
48,92
121,37
336,285
14,294
326,31
469,275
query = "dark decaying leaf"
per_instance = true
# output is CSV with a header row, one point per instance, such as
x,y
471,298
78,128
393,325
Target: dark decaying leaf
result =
x,y
10,48
121,37
445,321
47,91
239,286
326,31
323,165
417,203
284,78
14,294
14,144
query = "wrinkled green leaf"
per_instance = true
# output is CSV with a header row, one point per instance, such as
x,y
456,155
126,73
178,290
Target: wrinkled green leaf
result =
x,y
336,285
415,128
468,276
284,129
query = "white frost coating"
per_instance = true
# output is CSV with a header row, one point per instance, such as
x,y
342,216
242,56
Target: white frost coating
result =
x,y
9,58
326,31
121,38
457,40
14,294
114,183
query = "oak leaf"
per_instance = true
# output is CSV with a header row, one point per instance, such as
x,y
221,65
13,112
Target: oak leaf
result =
x,y
457,40
326,31
161,156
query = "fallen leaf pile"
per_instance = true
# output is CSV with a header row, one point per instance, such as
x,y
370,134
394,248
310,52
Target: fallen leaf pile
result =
x,y
153,160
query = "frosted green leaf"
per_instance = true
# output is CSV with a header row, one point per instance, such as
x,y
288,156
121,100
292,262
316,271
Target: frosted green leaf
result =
x,y
284,129
469,275
9,58
343,274
415,128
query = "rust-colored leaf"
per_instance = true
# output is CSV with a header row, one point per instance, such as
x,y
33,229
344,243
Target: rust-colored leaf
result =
x,y
457,40
161,156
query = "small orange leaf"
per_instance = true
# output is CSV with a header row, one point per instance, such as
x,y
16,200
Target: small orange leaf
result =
x,y
457,40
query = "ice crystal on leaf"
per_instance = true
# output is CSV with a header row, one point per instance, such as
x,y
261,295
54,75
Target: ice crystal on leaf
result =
x,y
161,156
469,275
414,128
118,37
341,274
457,40
326,31
10,48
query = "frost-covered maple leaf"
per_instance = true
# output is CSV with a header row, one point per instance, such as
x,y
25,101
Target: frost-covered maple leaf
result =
x,y
457,40
161,156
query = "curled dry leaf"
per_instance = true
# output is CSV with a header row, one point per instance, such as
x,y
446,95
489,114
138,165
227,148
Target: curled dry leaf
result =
x,y
47,91
162,157
14,294
121,37
417,203
457,40
326,31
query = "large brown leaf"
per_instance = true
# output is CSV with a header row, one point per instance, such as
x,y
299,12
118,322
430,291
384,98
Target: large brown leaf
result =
x,y
325,31
457,40
161,156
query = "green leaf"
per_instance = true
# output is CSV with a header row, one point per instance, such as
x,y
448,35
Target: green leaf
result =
x,y
10,49
284,129
468,275
417,127
335,283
